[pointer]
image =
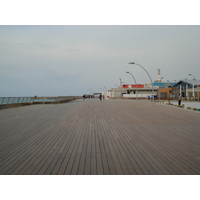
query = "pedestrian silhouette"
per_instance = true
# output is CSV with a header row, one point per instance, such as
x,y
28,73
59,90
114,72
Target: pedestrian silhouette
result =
x,y
179,99
100,97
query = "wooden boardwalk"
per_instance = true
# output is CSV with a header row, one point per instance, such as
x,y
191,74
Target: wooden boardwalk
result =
x,y
110,137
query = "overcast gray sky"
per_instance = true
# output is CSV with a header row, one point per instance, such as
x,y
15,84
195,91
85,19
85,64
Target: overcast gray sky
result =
x,y
72,60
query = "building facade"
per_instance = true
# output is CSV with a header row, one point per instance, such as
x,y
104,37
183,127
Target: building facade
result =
x,y
165,90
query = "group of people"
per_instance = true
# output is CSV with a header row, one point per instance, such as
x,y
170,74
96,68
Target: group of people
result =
x,y
87,96
100,97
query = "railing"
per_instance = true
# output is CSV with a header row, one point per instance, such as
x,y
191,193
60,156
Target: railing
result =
x,y
14,100
7,102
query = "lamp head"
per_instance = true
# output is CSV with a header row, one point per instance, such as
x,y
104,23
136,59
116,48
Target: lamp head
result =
x,y
131,63
190,74
127,72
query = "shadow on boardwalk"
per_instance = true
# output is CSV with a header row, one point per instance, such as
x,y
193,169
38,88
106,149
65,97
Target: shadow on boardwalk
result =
x,y
99,137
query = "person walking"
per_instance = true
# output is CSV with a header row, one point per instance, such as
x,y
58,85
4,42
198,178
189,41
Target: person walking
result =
x,y
100,97
179,99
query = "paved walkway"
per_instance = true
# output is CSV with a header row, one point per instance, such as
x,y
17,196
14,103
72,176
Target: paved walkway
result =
x,y
99,137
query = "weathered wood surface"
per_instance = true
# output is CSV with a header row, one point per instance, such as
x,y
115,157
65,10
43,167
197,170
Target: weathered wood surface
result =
x,y
99,137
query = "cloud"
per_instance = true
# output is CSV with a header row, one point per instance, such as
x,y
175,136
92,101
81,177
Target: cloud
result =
x,y
72,59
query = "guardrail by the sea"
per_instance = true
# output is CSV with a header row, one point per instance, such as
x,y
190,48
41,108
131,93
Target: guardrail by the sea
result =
x,y
14,100
8,102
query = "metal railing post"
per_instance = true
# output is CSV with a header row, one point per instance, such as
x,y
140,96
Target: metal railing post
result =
x,y
8,100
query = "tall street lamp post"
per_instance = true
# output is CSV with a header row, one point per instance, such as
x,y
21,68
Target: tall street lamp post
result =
x,y
120,87
105,91
135,83
193,84
150,80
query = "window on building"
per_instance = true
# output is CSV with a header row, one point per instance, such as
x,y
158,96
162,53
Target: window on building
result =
x,y
163,94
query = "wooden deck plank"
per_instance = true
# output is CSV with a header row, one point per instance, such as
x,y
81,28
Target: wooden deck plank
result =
x,y
58,142
93,166
76,150
65,158
61,165
20,155
81,167
167,148
124,151
99,137
99,164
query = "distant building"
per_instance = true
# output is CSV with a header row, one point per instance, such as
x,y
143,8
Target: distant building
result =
x,y
190,90
132,91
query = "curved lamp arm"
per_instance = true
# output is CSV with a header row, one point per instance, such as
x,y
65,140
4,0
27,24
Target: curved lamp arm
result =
x,y
149,77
